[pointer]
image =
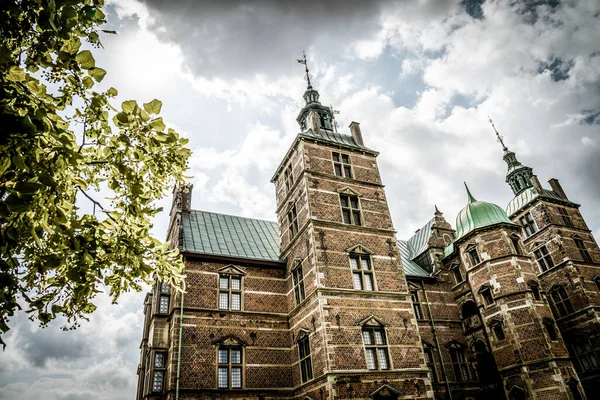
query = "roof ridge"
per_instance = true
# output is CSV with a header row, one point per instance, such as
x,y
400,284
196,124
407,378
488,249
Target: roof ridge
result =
x,y
235,216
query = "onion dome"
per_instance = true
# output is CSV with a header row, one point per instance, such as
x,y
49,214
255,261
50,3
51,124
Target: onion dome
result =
x,y
478,214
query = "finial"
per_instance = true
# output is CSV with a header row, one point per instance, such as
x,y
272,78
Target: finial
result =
x,y
471,198
437,211
303,61
333,113
500,138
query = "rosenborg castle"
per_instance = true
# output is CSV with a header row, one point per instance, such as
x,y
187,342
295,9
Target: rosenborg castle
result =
x,y
326,302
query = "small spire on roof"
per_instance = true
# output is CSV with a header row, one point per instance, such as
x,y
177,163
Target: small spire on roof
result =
x,y
471,198
303,61
437,211
500,138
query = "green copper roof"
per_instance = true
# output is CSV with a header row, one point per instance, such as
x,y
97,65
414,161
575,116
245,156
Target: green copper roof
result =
x,y
335,138
412,248
527,196
222,235
478,214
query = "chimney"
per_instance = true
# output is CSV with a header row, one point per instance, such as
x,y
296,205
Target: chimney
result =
x,y
182,198
356,134
535,182
557,188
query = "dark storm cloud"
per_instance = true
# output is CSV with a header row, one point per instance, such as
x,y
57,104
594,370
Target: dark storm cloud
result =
x,y
51,343
240,39
473,8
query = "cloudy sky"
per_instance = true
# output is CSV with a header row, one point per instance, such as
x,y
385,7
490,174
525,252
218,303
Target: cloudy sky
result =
x,y
420,76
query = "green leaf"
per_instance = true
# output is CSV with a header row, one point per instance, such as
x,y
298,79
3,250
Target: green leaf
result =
x,y
153,107
28,187
19,162
87,82
137,189
15,74
35,87
112,91
71,46
122,117
97,73
158,124
129,106
4,165
47,179
85,59
88,308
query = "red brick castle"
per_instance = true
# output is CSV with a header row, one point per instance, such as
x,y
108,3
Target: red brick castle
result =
x,y
326,303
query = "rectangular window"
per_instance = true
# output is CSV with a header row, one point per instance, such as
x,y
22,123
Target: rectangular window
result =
x,y
517,245
158,374
414,294
163,307
230,368
362,273
230,292
543,258
474,256
350,209
376,348
565,217
298,283
528,224
341,165
430,361
289,178
292,222
498,332
585,254
561,302
486,294
587,357
305,360
460,365
457,273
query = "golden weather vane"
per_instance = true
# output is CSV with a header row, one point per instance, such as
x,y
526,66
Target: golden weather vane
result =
x,y
303,61
500,138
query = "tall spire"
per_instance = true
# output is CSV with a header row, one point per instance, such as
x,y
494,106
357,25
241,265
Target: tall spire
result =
x,y
471,198
518,176
314,116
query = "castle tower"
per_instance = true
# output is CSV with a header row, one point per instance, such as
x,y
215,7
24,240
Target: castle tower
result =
x,y
504,314
352,324
566,256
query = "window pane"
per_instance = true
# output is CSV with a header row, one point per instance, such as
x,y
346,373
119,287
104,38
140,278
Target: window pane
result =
x,y
338,169
236,303
345,159
382,356
368,282
347,173
367,337
357,281
346,215
157,381
224,282
336,156
164,304
356,216
236,356
223,378
223,356
236,283
223,301
353,263
164,288
354,202
371,359
344,201
379,337
236,377
159,360
428,358
364,261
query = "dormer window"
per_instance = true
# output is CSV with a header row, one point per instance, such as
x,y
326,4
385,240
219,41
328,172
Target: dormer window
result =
x,y
230,292
529,224
341,165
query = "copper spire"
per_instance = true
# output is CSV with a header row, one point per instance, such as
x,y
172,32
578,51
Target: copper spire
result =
x,y
500,138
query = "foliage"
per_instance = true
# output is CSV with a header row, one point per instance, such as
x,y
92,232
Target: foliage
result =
x,y
54,256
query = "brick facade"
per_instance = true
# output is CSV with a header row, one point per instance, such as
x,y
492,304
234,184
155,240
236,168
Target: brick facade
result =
x,y
337,316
